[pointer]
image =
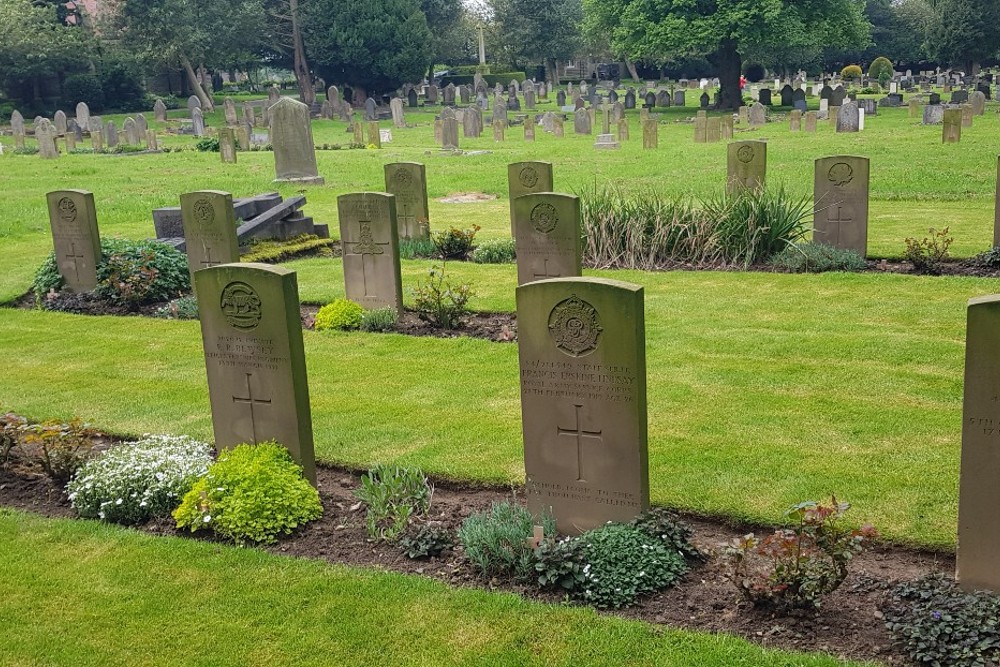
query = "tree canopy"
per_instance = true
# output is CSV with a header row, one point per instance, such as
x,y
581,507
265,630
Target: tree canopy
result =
x,y
967,32
541,31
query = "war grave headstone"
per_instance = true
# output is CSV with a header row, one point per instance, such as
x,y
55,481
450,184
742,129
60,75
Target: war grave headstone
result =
x,y
45,135
581,352
498,130
209,224
623,129
547,230
979,493
746,165
701,127
713,130
255,359
795,121
650,134
292,141
529,128
75,237
369,237
525,178
951,130
840,192
83,115
227,144
407,181
847,118
810,121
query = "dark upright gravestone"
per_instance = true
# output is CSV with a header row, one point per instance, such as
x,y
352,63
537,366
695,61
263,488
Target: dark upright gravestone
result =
x,y
411,98
407,181
209,230
582,357
255,359
526,178
630,98
77,243
787,96
370,239
764,97
547,230
840,192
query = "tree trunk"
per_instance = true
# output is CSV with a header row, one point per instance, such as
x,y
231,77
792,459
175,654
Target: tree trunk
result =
x,y
729,63
307,92
551,71
206,102
630,66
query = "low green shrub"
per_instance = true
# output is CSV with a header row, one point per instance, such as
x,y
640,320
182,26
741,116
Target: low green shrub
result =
x,y
253,493
454,243
417,249
624,563
181,308
140,480
11,427
939,624
131,273
393,495
438,302
560,564
58,448
809,257
989,259
927,254
427,541
851,73
83,88
880,68
495,251
497,541
673,533
207,145
796,566
379,319
341,314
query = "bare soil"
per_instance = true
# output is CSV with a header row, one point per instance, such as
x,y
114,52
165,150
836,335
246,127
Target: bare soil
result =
x,y
466,198
497,327
848,625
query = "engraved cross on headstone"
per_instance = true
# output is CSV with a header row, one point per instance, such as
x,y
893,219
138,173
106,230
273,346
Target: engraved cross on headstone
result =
x,y
208,262
409,222
606,110
545,271
251,401
366,246
834,216
578,433
74,255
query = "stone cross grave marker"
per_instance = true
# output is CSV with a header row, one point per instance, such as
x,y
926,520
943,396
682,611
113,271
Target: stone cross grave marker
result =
x,y
76,240
407,181
524,178
747,165
209,230
979,493
840,192
254,358
370,239
547,236
582,358
292,140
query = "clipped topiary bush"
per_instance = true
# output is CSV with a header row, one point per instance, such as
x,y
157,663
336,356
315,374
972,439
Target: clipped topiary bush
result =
x,y
341,314
495,251
139,480
880,67
253,493
851,73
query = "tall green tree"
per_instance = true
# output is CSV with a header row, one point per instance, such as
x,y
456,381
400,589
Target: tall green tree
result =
x,y
664,31
537,31
374,45
967,32
450,36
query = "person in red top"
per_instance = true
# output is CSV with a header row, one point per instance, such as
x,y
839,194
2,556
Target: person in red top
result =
x,y
743,82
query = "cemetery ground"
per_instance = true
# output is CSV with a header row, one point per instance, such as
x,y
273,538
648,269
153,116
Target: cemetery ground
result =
x,y
764,390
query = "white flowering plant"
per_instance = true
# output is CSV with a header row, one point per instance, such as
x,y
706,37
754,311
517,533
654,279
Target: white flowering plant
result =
x,y
137,481
623,563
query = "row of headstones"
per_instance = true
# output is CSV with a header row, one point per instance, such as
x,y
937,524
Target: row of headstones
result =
x,y
47,137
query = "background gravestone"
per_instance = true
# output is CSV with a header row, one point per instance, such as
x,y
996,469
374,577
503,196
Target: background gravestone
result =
x,y
209,223
76,240
848,118
582,354
840,193
370,240
197,122
45,135
407,181
746,165
547,233
525,178
701,127
227,144
83,115
254,358
758,115
951,130
292,141
979,493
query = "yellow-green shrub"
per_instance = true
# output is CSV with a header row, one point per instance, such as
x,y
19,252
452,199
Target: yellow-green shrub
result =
x,y
851,73
340,314
880,67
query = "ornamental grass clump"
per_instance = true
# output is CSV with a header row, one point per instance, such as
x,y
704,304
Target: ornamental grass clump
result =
x,y
497,541
140,480
252,494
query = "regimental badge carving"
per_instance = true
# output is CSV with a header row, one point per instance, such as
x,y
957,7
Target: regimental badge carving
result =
x,y
67,209
367,245
204,212
745,154
544,218
241,305
575,327
403,178
528,177
841,174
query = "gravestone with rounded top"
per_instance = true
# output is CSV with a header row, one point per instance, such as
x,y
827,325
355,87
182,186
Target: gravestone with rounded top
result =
x,y
209,223
229,109
76,240
141,124
193,103
292,141
396,106
59,120
582,359
713,129
840,192
159,111
449,129
197,122
131,132
525,178
978,101
747,165
45,135
847,118
547,233
254,358
582,122
472,122
407,181
758,115
83,115
369,237
979,494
